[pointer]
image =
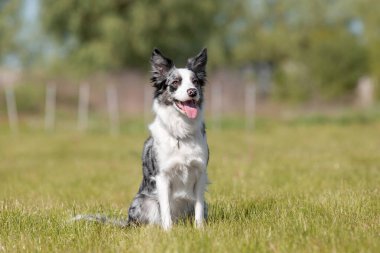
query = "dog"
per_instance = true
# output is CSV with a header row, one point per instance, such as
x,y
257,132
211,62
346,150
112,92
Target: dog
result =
x,y
176,154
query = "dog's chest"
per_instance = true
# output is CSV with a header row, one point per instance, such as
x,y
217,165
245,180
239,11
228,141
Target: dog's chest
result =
x,y
182,162
174,154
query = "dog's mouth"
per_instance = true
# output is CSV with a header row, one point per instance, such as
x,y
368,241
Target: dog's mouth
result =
x,y
189,108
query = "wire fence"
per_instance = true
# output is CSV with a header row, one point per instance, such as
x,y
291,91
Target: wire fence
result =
x,y
116,99
130,95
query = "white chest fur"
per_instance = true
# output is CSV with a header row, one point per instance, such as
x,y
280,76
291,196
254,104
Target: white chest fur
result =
x,y
182,158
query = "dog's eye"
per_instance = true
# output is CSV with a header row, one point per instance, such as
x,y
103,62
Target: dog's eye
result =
x,y
195,81
175,83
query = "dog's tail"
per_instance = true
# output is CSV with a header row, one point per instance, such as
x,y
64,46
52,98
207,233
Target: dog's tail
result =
x,y
102,219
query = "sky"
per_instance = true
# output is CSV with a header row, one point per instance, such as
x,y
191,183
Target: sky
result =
x,y
30,33
30,10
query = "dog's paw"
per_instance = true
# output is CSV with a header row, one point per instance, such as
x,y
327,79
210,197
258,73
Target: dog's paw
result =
x,y
199,224
166,224
166,227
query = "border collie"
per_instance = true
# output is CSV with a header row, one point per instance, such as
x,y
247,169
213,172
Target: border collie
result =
x,y
176,154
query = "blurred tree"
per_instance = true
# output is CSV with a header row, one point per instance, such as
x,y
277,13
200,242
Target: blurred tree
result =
x,y
315,47
368,11
310,43
337,64
112,34
9,25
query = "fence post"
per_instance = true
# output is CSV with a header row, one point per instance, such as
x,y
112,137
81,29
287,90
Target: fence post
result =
x,y
84,98
365,92
11,108
250,105
216,103
113,111
51,90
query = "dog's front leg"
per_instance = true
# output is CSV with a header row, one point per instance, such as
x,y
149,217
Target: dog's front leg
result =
x,y
200,188
163,191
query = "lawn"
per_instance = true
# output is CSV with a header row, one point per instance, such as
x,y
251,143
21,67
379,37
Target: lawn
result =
x,y
284,187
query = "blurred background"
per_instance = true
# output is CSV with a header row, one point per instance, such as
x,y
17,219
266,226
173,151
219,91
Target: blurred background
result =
x,y
89,60
292,111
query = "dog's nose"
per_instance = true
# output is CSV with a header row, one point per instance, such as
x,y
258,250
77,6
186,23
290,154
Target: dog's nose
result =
x,y
192,92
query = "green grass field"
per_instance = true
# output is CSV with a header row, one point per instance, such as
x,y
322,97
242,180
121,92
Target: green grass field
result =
x,y
286,187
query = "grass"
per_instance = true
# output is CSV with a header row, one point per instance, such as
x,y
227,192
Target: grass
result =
x,y
286,187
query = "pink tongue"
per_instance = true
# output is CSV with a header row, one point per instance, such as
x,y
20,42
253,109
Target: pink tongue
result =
x,y
190,109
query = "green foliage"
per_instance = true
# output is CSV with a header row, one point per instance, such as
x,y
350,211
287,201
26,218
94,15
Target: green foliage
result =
x,y
311,44
330,67
30,98
337,64
112,34
369,13
293,82
9,24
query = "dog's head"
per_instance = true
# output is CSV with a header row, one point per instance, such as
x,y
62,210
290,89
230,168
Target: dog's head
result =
x,y
181,88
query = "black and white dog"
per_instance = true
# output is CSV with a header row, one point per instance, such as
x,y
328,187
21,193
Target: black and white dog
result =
x,y
176,154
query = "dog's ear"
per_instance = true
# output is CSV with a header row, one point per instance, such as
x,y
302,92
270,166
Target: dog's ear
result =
x,y
161,66
197,64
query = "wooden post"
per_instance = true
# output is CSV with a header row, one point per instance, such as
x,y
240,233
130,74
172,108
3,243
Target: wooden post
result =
x,y
250,104
113,111
365,92
50,102
11,108
216,103
250,92
84,98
